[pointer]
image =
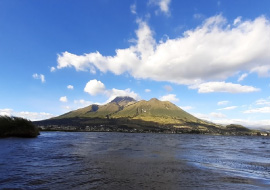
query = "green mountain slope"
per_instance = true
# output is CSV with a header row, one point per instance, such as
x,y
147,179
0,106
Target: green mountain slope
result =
x,y
154,110
99,111
163,112
126,114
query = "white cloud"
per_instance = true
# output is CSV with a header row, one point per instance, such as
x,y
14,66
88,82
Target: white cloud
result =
x,y
198,16
70,87
168,88
259,110
67,108
186,107
210,117
215,50
242,77
82,103
34,116
263,101
53,69
219,118
210,87
7,112
39,76
169,97
113,93
163,5
63,99
94,87
220,103
229,108
262,106
133,9
263,71
255,124
147,90
202,116
217,115
237,20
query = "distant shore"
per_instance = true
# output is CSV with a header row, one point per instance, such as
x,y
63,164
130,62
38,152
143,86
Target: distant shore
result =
x,y
155,129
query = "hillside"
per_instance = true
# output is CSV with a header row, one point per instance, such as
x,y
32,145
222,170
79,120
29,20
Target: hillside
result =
x,y
163,112
99,111
129,115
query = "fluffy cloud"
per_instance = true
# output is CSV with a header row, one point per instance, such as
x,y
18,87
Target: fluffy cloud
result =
x,y
237,20
94,87
169,97
202,116
39,76
198,16
210,117
209,87
217,115
68,108
34,116
261,106
70,87
162,4
53,69
63,99
219,118
113,93
82,103
263,101
242,77
263,71
133,9
255,124
7,112
168,88
221,103
186,107
147,90
214,51
229,108
258,110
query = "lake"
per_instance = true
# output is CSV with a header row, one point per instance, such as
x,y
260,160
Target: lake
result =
x,y
88,160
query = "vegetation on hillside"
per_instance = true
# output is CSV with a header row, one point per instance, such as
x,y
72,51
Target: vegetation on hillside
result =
x,y
100,111
17,127
124,114
154,110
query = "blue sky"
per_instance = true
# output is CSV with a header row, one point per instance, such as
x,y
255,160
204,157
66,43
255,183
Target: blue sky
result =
x,y
211,58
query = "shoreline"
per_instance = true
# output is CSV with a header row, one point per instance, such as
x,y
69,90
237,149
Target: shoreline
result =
x,y
154,132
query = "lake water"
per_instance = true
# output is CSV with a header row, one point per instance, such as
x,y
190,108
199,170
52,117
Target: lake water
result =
x,y
87,160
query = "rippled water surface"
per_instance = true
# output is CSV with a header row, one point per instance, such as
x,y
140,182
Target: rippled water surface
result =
x,y
59,160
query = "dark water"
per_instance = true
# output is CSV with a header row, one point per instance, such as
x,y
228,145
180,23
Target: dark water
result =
x,y
58,160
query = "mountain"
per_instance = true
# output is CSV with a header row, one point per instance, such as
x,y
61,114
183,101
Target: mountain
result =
x,y
100,111
154,110
123,100
127,114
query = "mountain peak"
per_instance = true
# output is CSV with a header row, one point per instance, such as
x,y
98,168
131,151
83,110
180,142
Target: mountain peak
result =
x,y
154,99
119,99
